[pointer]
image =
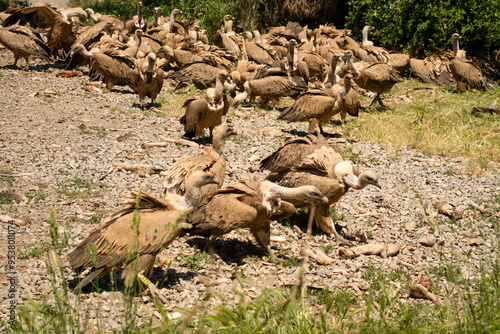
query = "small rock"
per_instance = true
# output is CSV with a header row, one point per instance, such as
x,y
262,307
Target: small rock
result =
x,y
428,240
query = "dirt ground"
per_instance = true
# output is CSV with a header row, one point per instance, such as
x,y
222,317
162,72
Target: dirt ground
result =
x,y
62,144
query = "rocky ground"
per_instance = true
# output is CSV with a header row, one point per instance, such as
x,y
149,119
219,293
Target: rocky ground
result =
x,y
64,142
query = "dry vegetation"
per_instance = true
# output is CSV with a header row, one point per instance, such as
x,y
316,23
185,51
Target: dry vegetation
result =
x,y
434,120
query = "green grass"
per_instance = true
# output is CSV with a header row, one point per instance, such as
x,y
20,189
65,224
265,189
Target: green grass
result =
x,y
48,99
34,251
99,133
194,261
436,124
77,188
237,139
9,180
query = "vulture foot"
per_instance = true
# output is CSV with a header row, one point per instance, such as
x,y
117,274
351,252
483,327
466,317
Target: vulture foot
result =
x,y
341,240
379,100
155,292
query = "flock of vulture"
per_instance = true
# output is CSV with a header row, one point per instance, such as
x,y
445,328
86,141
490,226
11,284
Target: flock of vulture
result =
x,y
322,69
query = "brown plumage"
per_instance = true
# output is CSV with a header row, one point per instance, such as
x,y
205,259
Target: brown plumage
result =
x,y
378,78
435,68
326,169
23,43
94,33
115,65
315,106
257,52
120,241
227,39
467,74
148,78
205,111
137,21
58,21
208,160
174,26
201,75
248,203
400,62
270,84
292,152
370,53
97,17
349,102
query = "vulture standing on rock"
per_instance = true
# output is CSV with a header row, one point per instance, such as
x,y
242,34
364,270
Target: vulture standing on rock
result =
x,y
466,73
148,78
116,66
208,160
248,203
23,42
205,111
327,170
119,243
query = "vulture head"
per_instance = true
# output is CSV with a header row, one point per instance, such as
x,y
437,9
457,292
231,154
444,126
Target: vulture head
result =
x,y
79,48
456,37
224,131
91,14
345,174
70,14
247,34
271,201
228,18
215,100
200,178
175,12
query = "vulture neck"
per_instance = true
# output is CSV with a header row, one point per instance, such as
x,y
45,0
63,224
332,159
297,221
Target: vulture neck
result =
x,y
156,19
332,77
193,36
85,53
151,65
256,37
93,17
193,193
138,40
140,21
109,32
219,86
456,48
365,36
289,193
291,57
218,143
171,23
228,27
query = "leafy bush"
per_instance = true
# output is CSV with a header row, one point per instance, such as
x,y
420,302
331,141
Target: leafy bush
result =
x,y
419,26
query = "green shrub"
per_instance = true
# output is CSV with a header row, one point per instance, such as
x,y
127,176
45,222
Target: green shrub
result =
x,y
419,26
